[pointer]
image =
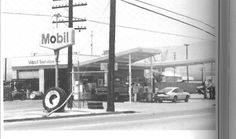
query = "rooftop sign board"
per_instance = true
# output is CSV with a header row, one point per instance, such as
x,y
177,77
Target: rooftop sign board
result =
x,y
57,39
48,60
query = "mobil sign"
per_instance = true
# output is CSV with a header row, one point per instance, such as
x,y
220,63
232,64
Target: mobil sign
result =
x,y
57,39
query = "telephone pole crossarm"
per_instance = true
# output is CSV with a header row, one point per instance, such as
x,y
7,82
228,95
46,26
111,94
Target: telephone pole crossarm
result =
x,y
66,21
67,6
80,28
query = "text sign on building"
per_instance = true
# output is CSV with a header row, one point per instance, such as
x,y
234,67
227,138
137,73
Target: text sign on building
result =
x,y
37,61
57,39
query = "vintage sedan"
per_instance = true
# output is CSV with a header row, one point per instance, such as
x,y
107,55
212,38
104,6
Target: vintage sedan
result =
x,y
171,94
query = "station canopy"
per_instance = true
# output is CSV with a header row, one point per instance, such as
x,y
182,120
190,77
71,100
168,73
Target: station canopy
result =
x,y
176,63
122,58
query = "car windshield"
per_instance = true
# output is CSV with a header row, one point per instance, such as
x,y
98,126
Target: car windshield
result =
x,y
166,90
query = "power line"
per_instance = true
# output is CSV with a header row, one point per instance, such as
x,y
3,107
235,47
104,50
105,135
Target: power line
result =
x,y
99,28
27,14
177,13
121,26
108,3
169,17
147,30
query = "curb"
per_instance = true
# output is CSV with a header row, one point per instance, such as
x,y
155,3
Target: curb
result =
x,y
105,113
67,116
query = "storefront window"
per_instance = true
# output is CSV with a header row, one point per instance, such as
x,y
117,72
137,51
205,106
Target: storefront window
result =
x,y
28,74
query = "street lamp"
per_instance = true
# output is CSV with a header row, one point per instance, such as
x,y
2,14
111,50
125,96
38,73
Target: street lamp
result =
x,y
186,45
57,16
174,66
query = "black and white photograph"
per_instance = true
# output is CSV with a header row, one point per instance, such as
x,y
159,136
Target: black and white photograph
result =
x,y
109,68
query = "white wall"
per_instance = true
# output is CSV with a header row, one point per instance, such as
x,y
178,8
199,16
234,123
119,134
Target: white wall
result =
x,y
41,80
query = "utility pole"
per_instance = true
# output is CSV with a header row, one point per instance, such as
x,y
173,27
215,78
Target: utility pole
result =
x,y
186,45
70,50
130,79
57,16
111,65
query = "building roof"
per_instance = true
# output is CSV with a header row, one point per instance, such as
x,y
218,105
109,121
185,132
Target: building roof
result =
x,y
122,58
177,63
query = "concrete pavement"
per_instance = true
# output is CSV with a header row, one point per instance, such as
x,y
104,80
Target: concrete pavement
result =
x,y
36,112
18,110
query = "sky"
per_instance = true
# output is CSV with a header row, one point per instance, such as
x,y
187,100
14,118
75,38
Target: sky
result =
x,y
20,33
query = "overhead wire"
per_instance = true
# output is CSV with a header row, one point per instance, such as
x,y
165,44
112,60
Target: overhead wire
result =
x,y
122,26
176,13
151,31
186,23
98,28
27,14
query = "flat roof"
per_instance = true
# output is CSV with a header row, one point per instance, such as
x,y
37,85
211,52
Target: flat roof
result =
x,y
48,61
177,63
122,58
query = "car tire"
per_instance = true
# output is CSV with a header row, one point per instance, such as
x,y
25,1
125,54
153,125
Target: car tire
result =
x,y
54,98
187,98
160,101
175,99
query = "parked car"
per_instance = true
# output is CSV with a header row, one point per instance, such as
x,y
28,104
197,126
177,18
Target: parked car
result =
x,y
171,94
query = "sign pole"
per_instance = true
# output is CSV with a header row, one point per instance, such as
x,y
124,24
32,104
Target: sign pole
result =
x,y
56,52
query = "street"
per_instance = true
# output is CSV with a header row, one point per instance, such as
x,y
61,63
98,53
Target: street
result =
x,y
176,121
197,114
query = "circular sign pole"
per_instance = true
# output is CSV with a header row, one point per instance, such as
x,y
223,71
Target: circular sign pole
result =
x,y
56,52
55,98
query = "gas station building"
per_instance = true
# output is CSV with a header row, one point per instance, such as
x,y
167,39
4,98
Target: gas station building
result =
x,y
38,72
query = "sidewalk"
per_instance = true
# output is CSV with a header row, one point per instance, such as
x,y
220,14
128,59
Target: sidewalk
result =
x,y
40,115
24,111
18,110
